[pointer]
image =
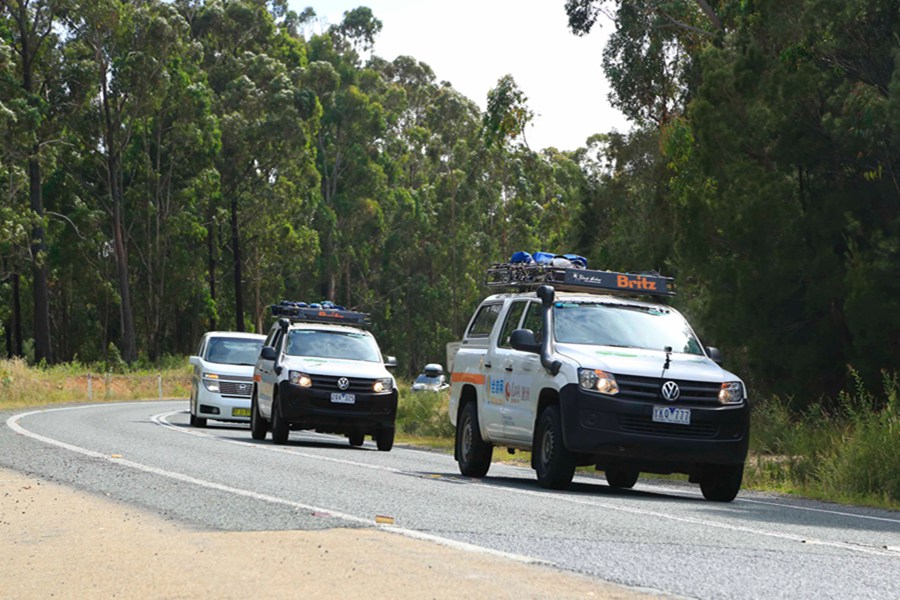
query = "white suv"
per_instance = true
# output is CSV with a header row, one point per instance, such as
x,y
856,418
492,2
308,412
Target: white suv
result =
x,y
589,376
222,381
320,370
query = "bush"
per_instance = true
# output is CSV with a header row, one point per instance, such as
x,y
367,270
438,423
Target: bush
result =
x,y
424,414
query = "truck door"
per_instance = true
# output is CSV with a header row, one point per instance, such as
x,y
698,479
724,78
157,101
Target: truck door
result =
x,y
507,381
477,343
525,376
265,373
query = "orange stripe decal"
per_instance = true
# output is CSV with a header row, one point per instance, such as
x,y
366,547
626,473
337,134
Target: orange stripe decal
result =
x,y
467,378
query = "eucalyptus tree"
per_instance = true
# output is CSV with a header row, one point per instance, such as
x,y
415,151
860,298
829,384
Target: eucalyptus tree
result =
x,y
267,118
31,32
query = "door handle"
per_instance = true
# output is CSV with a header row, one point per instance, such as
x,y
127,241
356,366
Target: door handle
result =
x,y
509,369
487,365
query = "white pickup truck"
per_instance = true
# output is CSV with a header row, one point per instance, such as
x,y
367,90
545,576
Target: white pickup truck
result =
x,y
593,376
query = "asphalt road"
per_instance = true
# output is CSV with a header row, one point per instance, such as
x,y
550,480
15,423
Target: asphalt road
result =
x,y
660,536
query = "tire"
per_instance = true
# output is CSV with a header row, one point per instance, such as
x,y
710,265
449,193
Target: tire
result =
x,y
554,463
622,477
280,428
721,483
197,421
258,426
473,454
357,439
385,439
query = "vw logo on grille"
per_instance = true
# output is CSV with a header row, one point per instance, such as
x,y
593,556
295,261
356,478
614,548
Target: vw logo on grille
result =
x,y
670,391
343,383
243,387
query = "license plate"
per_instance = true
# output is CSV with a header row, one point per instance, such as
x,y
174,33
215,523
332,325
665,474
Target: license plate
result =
x,y
240,412
339,398
669,414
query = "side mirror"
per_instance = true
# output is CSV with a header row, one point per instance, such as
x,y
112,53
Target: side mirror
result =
x,y
268,353
715,354
194,360
390,362
524,341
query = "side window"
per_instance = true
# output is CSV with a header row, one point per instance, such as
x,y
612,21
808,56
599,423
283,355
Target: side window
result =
x,y
512,322
534,320
202,346
484,321
270,339
276,341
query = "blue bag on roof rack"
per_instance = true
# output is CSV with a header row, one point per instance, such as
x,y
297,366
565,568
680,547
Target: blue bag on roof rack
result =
x,y
319,312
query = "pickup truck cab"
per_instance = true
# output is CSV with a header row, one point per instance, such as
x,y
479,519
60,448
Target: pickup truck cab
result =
x,y
595,376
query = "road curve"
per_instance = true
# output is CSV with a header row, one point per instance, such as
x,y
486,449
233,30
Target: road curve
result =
x,y
660,536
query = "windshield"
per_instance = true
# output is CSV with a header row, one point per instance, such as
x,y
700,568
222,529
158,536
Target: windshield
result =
x,y
333,344
625,325
233,351
430,380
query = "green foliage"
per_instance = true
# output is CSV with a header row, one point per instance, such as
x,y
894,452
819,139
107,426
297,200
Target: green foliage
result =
x,y
423,414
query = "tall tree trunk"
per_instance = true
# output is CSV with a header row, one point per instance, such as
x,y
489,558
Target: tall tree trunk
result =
x,y
126,316
40,287
238,276
211,266
18,349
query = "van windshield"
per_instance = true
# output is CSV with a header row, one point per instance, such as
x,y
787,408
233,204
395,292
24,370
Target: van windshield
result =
x,y
623,325
333,344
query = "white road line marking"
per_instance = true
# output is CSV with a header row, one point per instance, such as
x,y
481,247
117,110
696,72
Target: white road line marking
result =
x,y
13,423
889,552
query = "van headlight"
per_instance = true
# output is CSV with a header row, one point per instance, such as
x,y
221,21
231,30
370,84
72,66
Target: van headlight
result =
x,y
301,379
383,384
732,392
596,380
211,382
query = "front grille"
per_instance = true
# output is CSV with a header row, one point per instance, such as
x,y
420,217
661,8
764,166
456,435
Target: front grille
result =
x,y
647,389
328,383
236,388
646,426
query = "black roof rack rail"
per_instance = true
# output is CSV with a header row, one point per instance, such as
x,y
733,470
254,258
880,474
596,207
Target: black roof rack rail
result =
x,y
527,276
301,312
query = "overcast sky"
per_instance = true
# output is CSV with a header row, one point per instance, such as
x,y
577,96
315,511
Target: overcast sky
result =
x,y
473,43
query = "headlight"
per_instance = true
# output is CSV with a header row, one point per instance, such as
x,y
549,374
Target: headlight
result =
x,y
301,379
596,380
732,392
211,382
383,384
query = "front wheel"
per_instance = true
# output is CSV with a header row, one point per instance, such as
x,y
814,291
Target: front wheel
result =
x,y
721,483
279,425
356,439
554,463
384,439
472,453
621,477
197,421
258,426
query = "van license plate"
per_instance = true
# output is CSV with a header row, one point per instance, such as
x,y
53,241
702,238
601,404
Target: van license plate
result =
x,y
240,412
668,414
338,398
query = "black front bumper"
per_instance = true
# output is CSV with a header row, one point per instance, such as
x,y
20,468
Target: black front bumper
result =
x,y
615,432
311,408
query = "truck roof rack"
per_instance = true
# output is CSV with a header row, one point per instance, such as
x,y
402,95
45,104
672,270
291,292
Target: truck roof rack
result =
x,y
521,276
324,312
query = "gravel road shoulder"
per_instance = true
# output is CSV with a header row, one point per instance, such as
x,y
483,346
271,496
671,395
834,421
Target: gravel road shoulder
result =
x,y
58,542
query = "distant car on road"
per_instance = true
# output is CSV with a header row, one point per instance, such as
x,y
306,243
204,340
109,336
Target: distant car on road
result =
x,y
432,379
222,383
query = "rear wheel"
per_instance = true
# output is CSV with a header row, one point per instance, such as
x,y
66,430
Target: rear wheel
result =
x,y
621,477
721,483
356,439
279,425
472,453
554,463
385,439
258,425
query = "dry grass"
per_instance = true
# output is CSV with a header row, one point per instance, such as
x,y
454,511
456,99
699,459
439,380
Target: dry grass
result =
x,y
22,386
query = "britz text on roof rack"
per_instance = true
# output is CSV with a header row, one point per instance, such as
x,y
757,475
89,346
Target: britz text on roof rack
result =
x,y
324,312
572,279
